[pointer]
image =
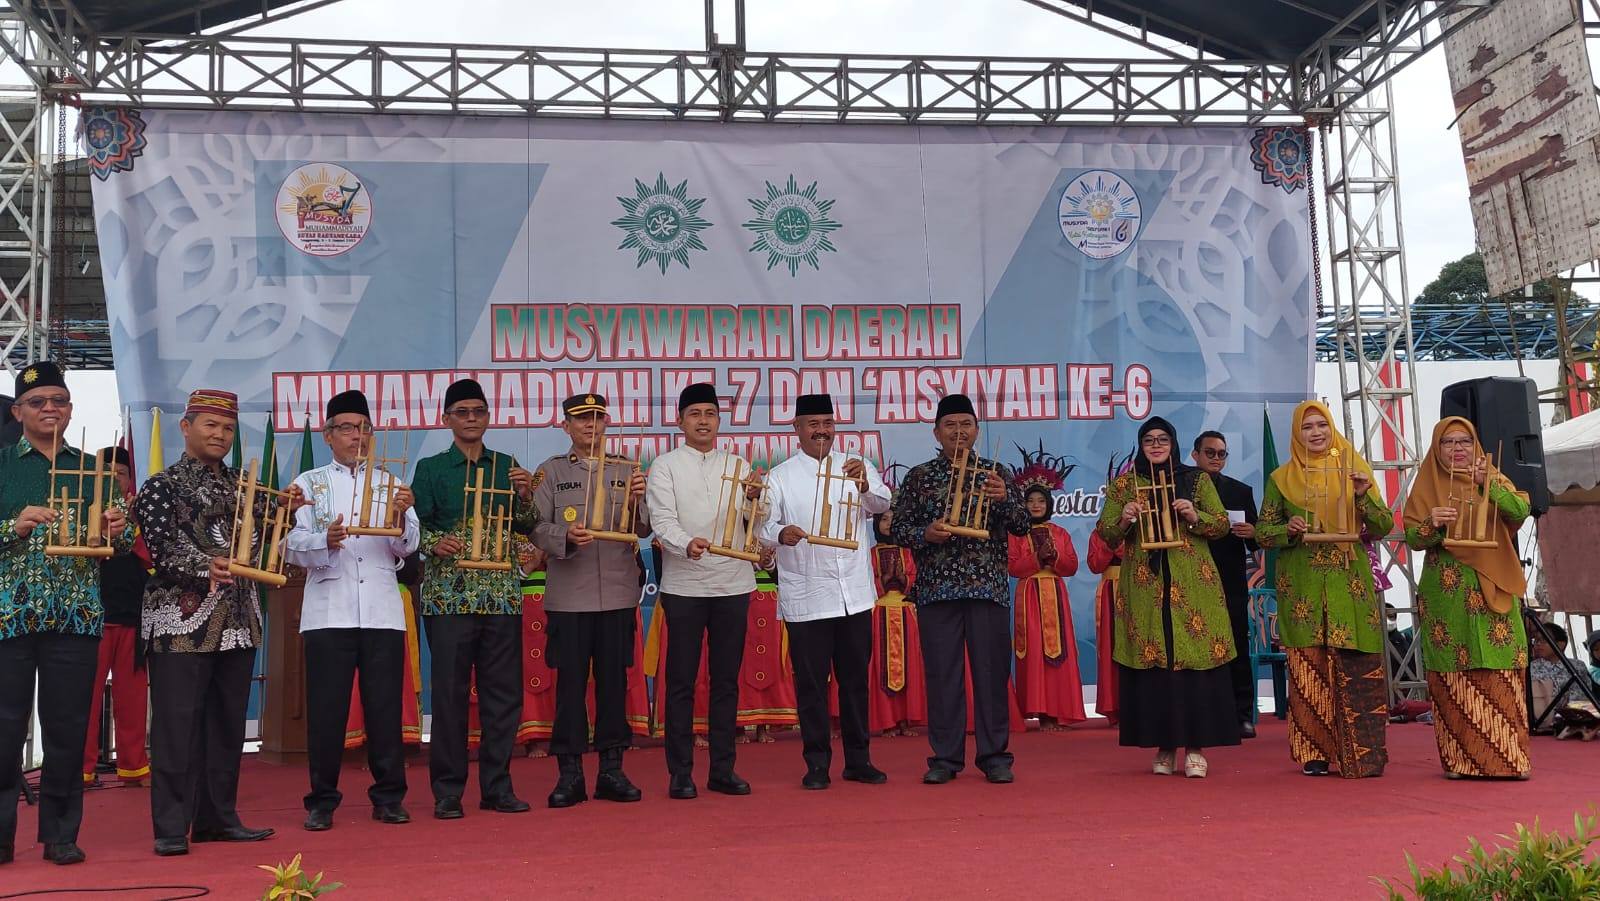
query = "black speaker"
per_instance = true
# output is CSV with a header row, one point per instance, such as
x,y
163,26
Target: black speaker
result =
x,y
1505,412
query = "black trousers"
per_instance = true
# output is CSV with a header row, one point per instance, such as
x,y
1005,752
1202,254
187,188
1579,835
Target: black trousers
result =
x,y
197,704
334,658
1239,669
952,633
490,646
581,643
65,667
841,645
721,622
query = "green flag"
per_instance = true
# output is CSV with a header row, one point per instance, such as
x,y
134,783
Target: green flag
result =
x,y
1269,462
269,458
238,448
306,461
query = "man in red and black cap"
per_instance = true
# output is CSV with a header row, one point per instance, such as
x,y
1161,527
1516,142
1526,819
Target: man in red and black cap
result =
x,y
202,627
473,617
50,618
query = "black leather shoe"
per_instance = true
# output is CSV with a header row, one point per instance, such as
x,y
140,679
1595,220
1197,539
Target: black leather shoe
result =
x,y
937,775
230,834
569,790
614,785
505,804
64,853
7,854
1000,774
447,809
1247,730
393,814
728,783
682,788
868,774
815,780
172,847
1315,768
319,820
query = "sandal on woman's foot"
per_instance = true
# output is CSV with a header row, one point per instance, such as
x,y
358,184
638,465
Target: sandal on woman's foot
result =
x,y
1194,765
1315,768
1162,765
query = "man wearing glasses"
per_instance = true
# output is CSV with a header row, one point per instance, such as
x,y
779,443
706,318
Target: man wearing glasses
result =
x,y
50,619
1231,552
473,617
353,619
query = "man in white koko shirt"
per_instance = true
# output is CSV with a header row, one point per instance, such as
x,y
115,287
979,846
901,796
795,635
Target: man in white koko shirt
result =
x,y
702,594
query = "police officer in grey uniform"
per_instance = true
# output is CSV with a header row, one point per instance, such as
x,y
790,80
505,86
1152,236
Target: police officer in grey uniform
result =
x,y
591,594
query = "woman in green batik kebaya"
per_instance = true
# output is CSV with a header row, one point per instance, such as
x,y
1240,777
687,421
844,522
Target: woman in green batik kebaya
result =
x,y
1473,647
1317,508
1171,625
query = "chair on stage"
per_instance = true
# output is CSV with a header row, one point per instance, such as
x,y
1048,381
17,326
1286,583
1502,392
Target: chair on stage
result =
x,y
1265,648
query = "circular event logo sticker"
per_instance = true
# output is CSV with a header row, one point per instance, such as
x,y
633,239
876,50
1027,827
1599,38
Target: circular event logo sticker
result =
x,y
1099,214
323,209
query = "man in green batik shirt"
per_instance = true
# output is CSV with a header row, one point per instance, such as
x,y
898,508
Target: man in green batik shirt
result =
x,y
50,614
473,616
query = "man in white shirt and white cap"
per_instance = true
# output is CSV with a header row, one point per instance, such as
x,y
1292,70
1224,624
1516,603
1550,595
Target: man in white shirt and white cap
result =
x,y
703,595
353,617
825,593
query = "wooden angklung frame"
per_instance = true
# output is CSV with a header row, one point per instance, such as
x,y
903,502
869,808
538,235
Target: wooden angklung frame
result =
x,y
833,524
1158,525
374,502
606,519
741,514
247,562
1473,526
79,527
486,516
967,510
1332,481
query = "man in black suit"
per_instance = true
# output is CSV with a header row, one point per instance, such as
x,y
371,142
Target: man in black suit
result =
x,y
1231,554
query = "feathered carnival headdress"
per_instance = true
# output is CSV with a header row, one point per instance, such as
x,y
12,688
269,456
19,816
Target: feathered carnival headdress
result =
x,y
1118,466
1043,471
891,475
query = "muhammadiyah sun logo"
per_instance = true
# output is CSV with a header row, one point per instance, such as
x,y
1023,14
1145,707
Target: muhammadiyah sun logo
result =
x,y
792,225
662,223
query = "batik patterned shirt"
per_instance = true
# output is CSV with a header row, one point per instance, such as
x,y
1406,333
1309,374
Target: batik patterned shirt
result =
x,y
959,568
439,486
40,593
186,514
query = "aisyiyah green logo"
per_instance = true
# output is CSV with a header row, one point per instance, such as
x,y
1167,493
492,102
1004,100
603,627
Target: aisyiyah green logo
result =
x,y
792,226
661,223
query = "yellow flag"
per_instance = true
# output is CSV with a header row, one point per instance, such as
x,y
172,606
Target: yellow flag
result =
x,y
156,463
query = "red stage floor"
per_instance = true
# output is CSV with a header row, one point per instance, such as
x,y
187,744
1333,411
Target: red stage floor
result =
x,y
1083,815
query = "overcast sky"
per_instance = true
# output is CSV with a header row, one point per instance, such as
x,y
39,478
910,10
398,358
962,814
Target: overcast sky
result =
x,y
1438,225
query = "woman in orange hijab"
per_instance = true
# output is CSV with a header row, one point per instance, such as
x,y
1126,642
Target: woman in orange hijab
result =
x,y
1474,649
1315,511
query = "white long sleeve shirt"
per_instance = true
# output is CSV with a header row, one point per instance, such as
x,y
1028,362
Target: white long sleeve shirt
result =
x,y
352,586
683,490
816,581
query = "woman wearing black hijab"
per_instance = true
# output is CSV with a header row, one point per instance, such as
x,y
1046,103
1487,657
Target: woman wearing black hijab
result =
x,y
1172,632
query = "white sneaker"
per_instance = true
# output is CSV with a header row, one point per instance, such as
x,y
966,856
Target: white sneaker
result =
x,y
1162,765
1194,765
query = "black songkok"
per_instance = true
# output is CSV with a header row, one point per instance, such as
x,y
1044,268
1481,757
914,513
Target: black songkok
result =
x,y
43,374
698,393
952,404
813,405
466,389
348,402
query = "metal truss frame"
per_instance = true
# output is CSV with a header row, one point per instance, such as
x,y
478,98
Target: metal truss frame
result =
x,y
1372,323
26,189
